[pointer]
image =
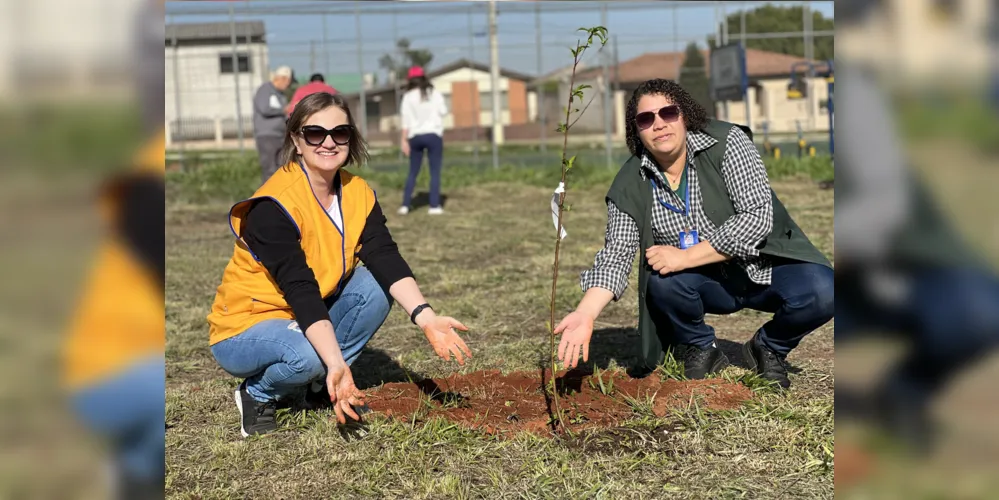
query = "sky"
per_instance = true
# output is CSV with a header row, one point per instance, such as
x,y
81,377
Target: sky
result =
x,y
295,30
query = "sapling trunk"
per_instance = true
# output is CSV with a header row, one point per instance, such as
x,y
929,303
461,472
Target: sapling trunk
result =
x,y
566,163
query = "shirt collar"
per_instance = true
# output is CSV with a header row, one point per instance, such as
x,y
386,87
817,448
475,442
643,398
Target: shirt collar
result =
x,y
696,142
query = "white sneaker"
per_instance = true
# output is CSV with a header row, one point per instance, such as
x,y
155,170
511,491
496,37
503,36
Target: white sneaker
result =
x,y
403,210
435,211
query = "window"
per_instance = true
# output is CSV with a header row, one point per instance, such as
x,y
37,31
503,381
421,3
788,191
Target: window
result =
x,y
225,62
486,101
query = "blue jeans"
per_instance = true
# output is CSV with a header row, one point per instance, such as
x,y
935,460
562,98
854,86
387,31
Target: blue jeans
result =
x,y
276,358
434,145
129,410
800,296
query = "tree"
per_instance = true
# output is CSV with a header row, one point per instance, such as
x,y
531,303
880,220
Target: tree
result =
x,y
773,19
694,79
398,64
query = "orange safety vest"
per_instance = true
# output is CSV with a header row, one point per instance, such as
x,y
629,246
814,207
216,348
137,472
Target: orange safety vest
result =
x,y
248,294
120,318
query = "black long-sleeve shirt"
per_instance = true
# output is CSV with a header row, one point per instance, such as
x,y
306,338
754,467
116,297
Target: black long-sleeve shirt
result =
x,y
273,238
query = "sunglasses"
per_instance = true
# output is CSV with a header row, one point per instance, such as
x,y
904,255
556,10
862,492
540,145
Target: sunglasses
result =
x,y
315,135
669,114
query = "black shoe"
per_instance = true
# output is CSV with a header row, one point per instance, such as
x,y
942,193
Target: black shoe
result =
x,y
767,363
699,362
256,417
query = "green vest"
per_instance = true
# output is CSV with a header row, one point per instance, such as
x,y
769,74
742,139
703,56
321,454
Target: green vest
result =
x,y
631,194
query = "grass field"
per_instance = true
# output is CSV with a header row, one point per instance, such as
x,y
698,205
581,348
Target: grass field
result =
x,y
487,262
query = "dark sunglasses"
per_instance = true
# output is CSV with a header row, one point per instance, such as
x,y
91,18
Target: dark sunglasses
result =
x,y
315,135
669,114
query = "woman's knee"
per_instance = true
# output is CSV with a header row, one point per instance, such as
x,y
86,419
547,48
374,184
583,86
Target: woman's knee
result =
x,y
816,293
375,300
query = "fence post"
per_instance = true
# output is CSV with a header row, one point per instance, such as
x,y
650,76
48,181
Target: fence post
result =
x,y
539,91
177,100
360,68
235,77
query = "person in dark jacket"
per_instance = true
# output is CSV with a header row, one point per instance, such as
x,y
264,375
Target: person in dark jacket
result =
x,y
313,273
695,202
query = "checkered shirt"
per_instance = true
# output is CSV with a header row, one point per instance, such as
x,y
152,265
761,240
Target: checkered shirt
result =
x,y
746,180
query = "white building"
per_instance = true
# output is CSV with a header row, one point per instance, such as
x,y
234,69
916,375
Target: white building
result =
x,y
202,83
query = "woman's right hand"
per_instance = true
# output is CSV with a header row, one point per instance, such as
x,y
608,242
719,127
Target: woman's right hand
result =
x,y
343,394
405,148
576,330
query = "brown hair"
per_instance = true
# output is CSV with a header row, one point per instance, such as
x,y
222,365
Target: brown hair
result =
x,y
423,84
695,117
357,153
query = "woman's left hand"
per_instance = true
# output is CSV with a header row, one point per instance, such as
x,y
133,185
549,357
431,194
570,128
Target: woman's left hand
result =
x,y
666,259
445,341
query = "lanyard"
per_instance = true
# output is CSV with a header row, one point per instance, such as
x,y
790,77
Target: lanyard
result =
x,y
686,199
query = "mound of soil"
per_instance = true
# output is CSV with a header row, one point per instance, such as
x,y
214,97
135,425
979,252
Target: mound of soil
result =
x,y
515,402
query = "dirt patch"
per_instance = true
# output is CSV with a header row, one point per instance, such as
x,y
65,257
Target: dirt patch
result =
x,y
507,404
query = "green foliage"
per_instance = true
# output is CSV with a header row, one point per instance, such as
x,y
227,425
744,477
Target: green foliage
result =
x,y
694,79
235,177
97,137
960,118
776,19
404,57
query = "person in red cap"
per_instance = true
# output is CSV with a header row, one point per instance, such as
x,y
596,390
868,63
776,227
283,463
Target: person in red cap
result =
x,y
316,84
422,111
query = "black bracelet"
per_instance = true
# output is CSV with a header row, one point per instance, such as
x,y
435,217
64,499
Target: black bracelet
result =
x,y
418,310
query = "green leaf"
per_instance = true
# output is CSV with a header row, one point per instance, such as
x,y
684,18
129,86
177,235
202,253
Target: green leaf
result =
x,y
583,87
561,128
569,162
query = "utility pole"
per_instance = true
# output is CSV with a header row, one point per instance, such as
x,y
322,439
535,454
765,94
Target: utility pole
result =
x,y
394,73
724,41
745,97
326,49
604,56
176,97
476,111
235,77
541,88
312,56
495,76
360,67
806,21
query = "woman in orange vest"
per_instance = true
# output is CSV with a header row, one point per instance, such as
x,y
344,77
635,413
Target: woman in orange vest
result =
x,y
311,274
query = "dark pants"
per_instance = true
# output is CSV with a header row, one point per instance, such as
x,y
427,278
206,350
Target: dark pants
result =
x,y
434,146
268,149
800,297
949,316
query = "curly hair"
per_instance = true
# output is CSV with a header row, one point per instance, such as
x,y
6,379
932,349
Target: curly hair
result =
x,y
695,117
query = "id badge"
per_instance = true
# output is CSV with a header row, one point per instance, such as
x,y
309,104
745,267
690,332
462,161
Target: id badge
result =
x,y
688,239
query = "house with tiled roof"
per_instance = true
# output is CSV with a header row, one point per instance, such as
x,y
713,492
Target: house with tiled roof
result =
x,y
769,74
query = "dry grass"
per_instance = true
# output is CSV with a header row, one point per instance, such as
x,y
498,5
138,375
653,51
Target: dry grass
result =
x,y
487,262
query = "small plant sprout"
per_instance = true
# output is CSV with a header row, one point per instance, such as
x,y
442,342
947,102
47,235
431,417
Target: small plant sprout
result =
x,y
598,34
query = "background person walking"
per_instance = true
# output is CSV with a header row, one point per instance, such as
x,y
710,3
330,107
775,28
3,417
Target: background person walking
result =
x,y
422,110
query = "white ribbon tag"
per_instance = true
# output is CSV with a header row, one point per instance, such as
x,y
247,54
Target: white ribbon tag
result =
x,y
559,190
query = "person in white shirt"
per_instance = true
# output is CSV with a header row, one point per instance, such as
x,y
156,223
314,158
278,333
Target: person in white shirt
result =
x,y
423,110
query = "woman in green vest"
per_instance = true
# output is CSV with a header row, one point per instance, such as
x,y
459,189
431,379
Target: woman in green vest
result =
x,y
695,202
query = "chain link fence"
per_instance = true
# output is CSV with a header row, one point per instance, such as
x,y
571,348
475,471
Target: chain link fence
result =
x,y
219,54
